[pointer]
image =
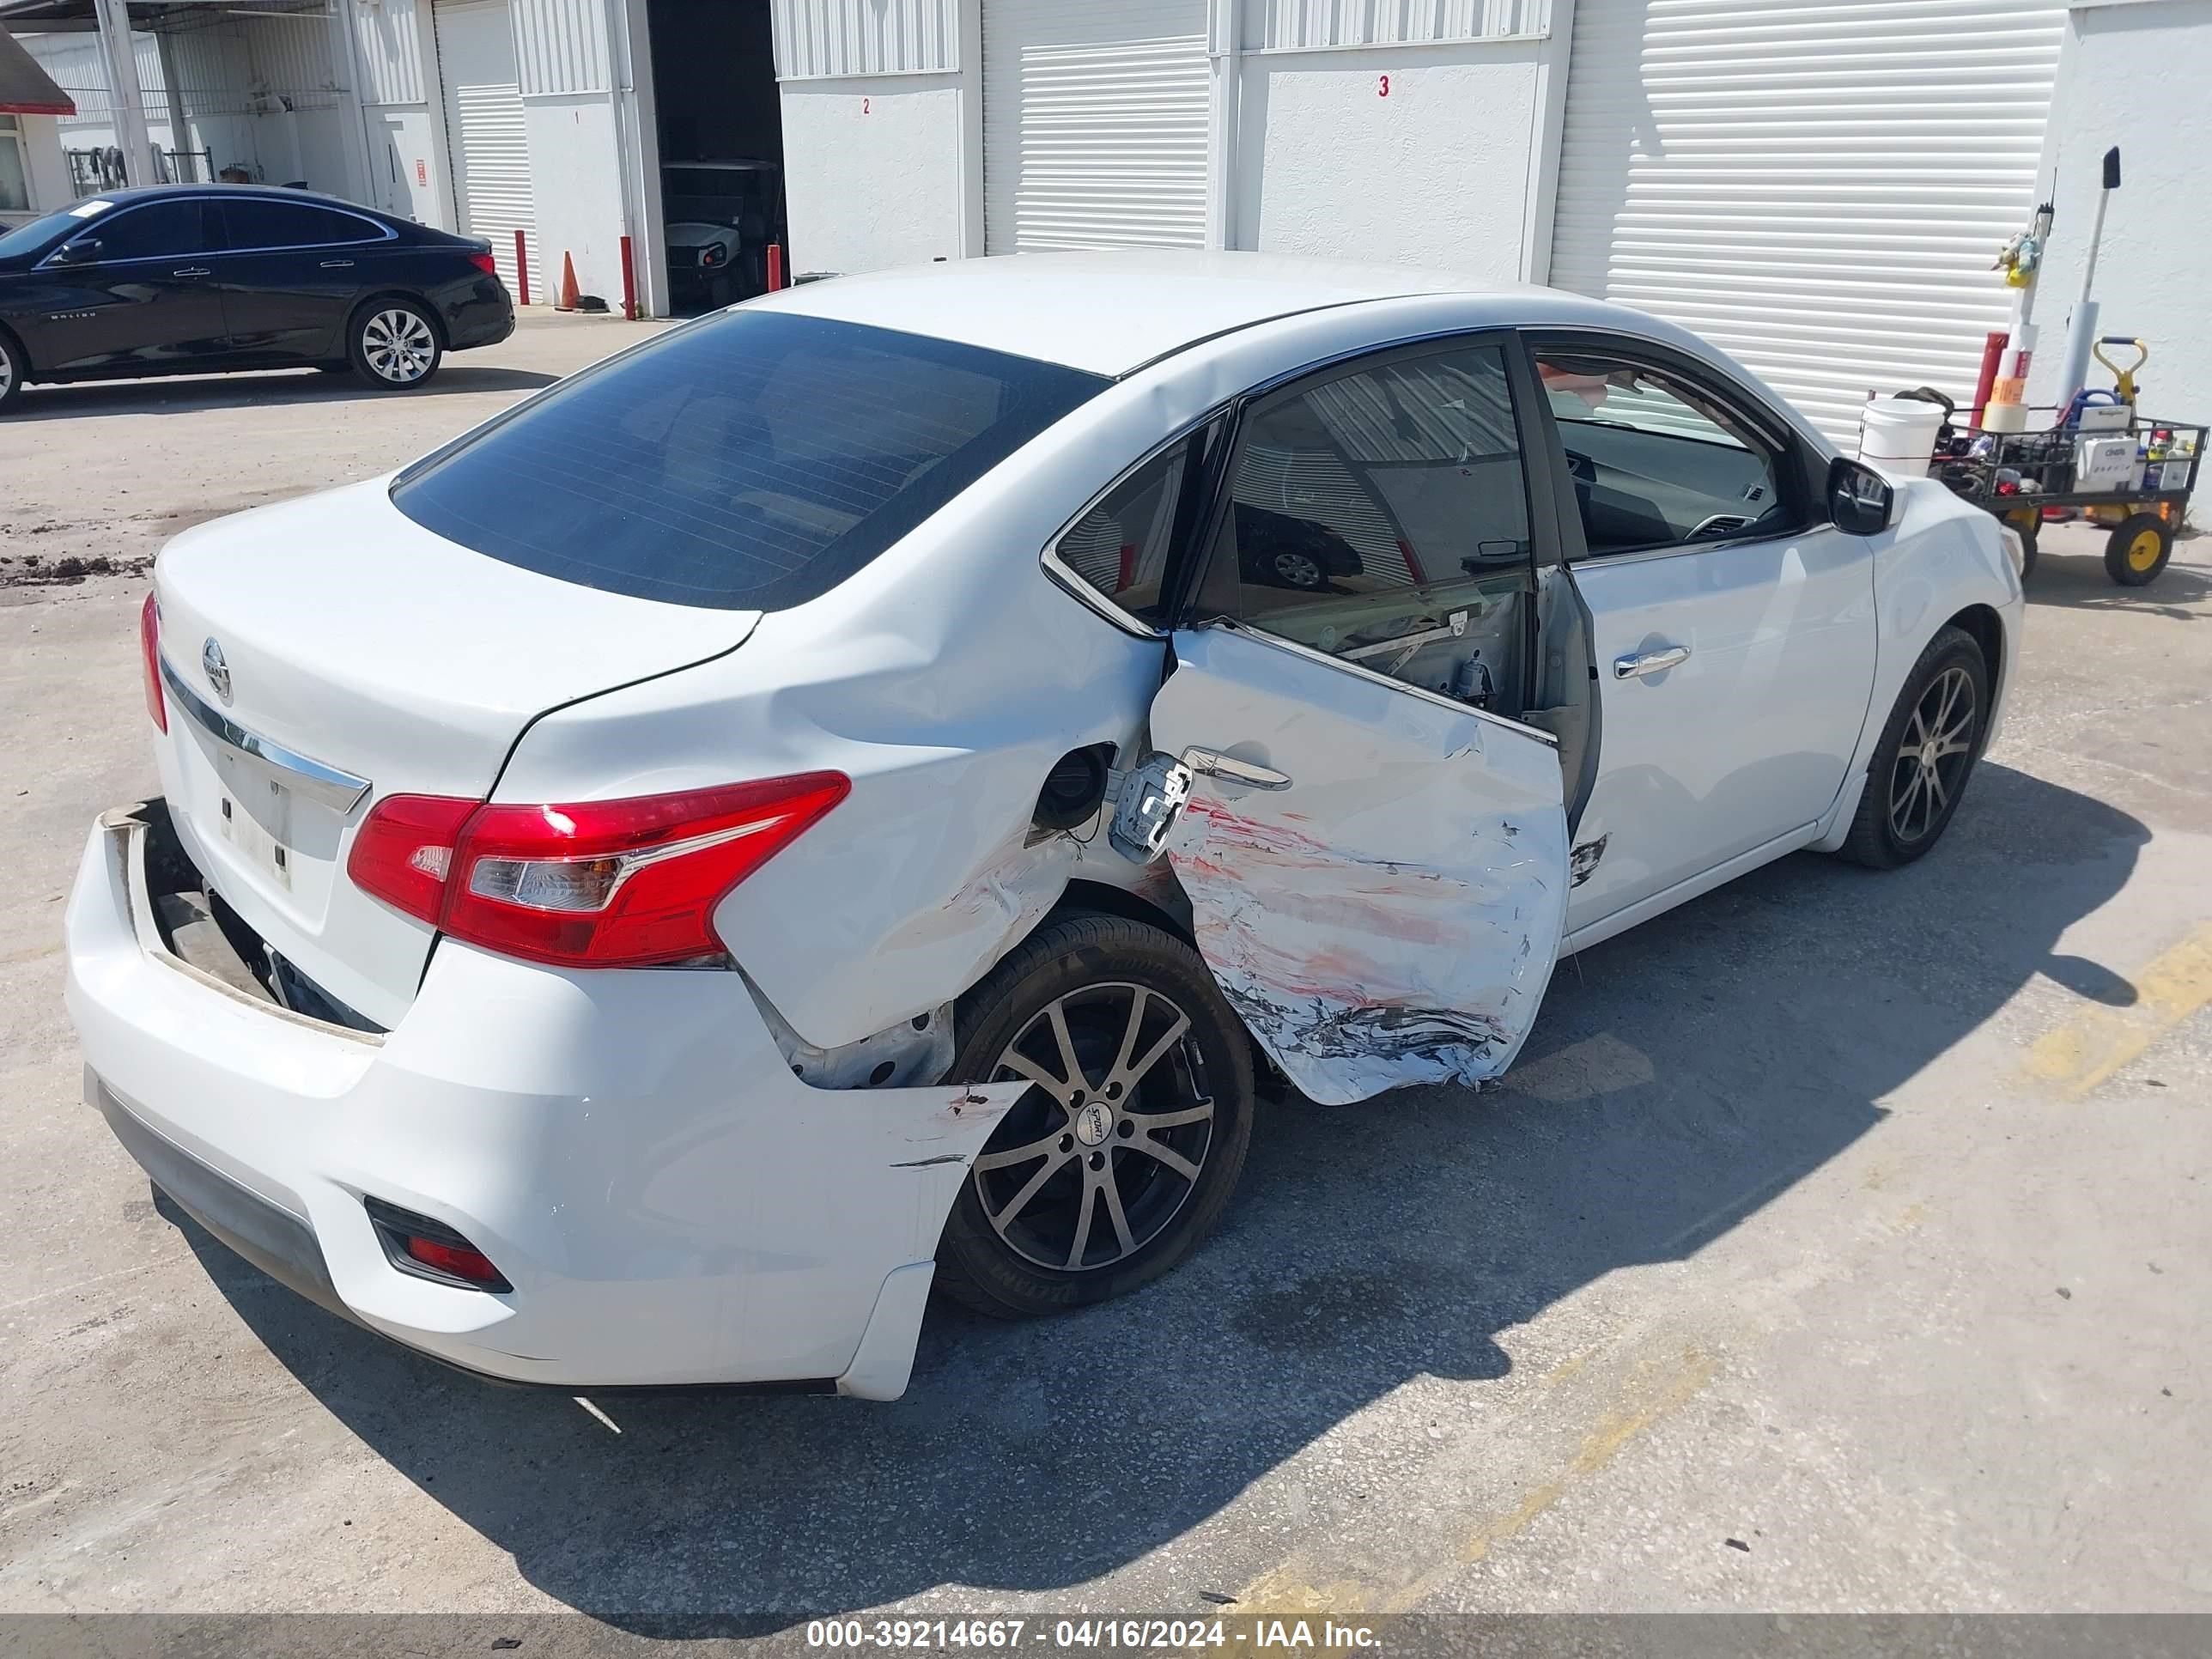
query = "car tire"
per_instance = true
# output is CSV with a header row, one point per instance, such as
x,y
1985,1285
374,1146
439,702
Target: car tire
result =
x,y
1301,571
1899,818
393,345
11,370
2137,552
1119,987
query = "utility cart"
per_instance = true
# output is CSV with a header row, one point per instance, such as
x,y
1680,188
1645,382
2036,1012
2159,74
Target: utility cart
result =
x,y
2120,470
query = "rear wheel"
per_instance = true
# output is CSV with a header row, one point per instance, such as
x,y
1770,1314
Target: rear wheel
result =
x,y
1927,752
393,345
2138,549
1123,1153
2028,525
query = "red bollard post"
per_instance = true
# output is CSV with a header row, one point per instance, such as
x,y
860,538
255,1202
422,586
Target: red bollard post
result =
x,y
521,271
629,284
774,266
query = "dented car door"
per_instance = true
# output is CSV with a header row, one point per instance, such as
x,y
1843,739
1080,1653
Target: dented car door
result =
x,y
1377,875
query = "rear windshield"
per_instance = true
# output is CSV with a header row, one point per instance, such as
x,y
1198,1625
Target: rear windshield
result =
x,y
750,462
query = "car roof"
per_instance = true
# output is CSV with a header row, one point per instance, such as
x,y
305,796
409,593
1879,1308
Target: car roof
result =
x,y
1111,312
269,192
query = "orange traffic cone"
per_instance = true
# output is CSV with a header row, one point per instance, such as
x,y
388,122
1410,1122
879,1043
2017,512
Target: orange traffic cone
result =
x,y
568,299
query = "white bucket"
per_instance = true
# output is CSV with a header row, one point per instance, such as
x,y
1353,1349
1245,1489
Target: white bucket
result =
x,y
1898,435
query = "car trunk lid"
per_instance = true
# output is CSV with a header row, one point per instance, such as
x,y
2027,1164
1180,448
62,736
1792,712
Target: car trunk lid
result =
x,y
325,653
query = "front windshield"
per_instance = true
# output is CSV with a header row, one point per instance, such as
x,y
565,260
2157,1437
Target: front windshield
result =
x,y
29,239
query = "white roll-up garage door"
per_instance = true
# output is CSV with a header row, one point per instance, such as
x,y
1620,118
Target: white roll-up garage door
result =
x,y
1818,187
1094,125
485,138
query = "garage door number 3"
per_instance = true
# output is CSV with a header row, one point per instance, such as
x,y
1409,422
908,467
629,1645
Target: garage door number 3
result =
x,y
1383,90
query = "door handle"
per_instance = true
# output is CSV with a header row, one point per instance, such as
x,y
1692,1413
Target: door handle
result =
x,y
337,264
1650,662
193,270
1233,770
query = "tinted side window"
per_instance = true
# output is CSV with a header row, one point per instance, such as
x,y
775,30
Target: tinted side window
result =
x,y
1121,546
157,230
1657,461
254,222
752,461
1371,506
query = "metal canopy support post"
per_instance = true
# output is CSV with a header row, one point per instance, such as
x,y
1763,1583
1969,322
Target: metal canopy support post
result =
x,y
124,91
361,153
180,132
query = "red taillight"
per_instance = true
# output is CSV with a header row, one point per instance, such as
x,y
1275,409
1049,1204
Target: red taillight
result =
x,y
458,1260
404,849
606,883
149,657
430,1249
484,263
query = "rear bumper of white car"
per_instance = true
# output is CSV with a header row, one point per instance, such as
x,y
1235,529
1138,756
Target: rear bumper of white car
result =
x,y
669,1203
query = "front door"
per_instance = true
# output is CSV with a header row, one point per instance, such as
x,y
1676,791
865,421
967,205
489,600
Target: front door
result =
x,y
1377,875
1733,628
146,305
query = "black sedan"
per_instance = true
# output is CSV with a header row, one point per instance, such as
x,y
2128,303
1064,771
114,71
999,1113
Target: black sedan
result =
x,y
196,279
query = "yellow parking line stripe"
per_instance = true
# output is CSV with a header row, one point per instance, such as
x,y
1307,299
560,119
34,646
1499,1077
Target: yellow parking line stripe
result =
x,y
1655,1390
2099,1042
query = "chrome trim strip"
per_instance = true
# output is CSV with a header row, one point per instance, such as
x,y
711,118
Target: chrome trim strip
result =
x,y
296,771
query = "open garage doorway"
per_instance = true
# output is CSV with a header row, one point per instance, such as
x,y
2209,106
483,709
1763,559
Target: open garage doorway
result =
x,y
720,128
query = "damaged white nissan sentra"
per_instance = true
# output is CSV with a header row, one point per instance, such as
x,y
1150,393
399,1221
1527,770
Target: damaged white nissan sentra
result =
x,y
839,800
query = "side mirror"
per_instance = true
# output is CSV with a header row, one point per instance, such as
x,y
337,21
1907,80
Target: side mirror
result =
x,y
1860,499
84,251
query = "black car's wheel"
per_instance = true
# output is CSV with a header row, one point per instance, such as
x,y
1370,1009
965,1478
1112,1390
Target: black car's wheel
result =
x,y
1295,569
11,370
2137,550
1926,755
1122,1157
393,345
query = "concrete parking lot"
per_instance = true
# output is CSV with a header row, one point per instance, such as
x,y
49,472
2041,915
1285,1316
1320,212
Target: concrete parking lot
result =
x,y
1842,1242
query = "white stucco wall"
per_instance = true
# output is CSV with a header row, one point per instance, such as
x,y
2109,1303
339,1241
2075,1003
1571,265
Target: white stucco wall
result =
x,y
2134,74
1436,171
575,182
42,160
872,174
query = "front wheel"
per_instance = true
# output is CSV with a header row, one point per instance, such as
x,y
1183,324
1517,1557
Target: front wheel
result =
x,y
11,372
393,345
1122,1155
1927,752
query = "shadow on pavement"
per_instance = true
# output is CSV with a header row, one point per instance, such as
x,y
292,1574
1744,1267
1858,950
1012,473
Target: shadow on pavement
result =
x,y
1682,1076
2070,572
191,394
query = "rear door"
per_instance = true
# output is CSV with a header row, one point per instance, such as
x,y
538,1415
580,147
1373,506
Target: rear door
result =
x,y
1374,844
1377,875
290,273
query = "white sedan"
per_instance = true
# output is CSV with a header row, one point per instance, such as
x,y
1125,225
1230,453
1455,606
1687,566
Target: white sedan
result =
x,y
839,800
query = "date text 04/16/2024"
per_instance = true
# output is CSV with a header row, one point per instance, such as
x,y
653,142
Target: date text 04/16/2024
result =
x,y
1147,1635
